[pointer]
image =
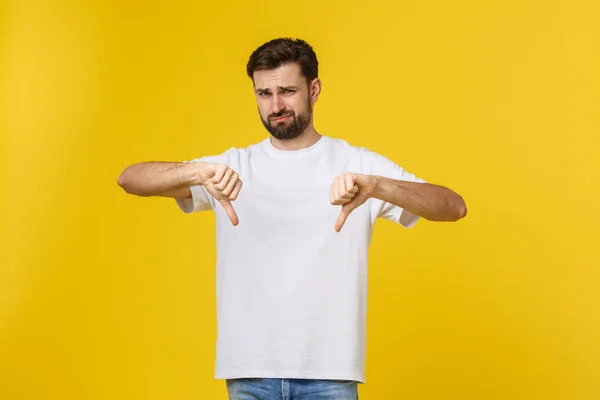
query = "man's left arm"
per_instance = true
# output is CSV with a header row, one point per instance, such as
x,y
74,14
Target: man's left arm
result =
x,y
429,201
426,200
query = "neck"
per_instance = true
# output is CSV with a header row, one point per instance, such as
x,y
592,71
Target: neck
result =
x,y
306,139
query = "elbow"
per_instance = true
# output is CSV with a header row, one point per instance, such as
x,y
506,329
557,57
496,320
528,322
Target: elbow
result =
x,y
454,210
129,181
125,182
122,181
460,209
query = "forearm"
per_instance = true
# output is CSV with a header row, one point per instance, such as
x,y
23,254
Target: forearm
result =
x,y
432,202
160,178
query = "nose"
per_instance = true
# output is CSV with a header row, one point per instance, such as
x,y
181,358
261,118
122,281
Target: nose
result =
x,y
277,104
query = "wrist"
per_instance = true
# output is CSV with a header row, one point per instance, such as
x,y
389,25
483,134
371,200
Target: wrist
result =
x,y
375,186
198,173
380,184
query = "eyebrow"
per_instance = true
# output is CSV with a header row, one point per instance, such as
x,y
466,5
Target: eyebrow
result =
x,y
278,88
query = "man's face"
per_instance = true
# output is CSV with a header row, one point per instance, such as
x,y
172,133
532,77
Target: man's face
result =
x,y
284,101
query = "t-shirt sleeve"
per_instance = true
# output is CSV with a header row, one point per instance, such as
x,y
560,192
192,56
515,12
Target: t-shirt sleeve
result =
x,y
201,200
380,165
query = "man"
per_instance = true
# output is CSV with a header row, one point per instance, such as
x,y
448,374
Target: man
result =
x,y
292,263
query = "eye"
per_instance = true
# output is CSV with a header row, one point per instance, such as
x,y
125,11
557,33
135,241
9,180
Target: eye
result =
x,y
263,94
288,91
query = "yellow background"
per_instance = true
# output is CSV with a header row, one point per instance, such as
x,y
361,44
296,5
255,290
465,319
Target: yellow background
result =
x,y
104,295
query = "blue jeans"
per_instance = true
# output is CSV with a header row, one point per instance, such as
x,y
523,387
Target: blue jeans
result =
x,y
291,389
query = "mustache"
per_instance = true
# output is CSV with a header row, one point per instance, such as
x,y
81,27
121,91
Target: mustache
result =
x,y
280,114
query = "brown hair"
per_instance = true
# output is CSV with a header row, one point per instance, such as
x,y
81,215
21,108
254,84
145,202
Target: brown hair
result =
x,y
281,51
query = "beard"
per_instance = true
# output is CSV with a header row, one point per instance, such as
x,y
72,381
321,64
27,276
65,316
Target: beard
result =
x,y
290,128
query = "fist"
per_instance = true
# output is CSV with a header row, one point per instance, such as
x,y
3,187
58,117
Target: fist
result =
x,y
224,184
350,191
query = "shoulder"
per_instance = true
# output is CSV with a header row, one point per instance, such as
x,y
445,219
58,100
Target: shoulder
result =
x,y
369,160
341,145
231,155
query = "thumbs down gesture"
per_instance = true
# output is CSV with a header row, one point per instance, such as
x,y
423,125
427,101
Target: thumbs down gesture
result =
x,y
350,190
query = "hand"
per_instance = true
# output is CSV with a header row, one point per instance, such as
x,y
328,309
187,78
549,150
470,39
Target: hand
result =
x,y
224,184
350,191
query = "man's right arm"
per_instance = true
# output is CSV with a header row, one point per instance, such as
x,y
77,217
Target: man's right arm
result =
x,y
167,179
173,179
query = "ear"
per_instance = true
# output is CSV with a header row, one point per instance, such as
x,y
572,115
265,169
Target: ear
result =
x,y
315,89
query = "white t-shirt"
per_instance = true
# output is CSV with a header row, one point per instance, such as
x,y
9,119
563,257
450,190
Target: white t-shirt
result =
x,y
291,291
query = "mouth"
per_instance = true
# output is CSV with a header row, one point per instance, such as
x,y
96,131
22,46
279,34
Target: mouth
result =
x,y
280,119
